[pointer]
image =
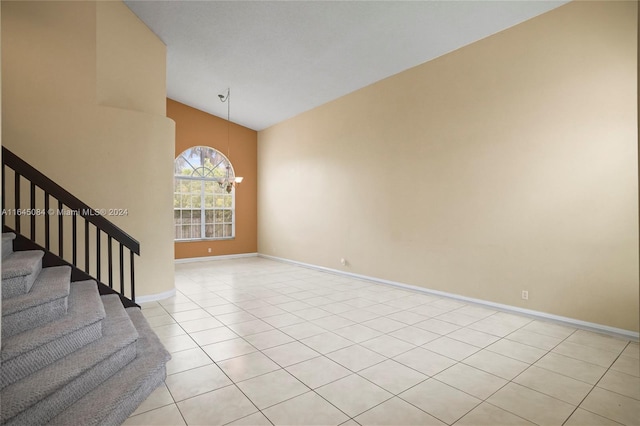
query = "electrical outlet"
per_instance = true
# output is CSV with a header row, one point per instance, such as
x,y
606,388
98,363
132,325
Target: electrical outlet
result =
x,y
209,250
343,261
525,295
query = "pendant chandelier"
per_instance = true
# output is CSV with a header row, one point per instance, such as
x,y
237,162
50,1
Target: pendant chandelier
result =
x,y
228,182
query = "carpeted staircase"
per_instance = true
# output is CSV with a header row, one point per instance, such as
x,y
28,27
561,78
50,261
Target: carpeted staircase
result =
x,y
70,356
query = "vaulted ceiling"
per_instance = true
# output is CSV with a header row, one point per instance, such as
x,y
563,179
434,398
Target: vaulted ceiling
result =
x,y
281,58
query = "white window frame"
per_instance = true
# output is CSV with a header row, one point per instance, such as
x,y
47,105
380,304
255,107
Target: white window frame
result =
x,y
203,209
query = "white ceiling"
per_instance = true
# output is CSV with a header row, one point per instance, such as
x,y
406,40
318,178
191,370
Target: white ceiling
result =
x,y
281,58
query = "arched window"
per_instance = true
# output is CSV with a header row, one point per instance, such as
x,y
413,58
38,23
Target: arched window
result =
x,y
203,205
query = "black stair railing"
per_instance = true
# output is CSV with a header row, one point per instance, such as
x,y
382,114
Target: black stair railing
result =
x,y
48,201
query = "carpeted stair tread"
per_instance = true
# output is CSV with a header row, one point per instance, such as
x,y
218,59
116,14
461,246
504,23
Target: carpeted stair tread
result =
x,y
7,244
52,283
31,350
118,397
19,271
21,263
46,302
41,396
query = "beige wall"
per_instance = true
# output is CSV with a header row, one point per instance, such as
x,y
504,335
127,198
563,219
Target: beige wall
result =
x,y
131,70
84,102
508,165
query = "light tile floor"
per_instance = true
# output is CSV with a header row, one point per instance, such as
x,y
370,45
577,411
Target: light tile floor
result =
x,y
258,342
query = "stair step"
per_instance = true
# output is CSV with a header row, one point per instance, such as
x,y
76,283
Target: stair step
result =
x,y
46,302
7,244
43,395
34,349
113,401
19,271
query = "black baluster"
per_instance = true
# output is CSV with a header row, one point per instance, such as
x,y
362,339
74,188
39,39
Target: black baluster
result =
x,y
86,246
4,180
98,253
60,245
133,278
32,201
46,221
17,200
110,262
121,269
74,233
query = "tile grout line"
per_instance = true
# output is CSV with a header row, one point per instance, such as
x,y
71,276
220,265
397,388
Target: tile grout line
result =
x,y
284,368
235,383
596,385
357,372
213,390
405,325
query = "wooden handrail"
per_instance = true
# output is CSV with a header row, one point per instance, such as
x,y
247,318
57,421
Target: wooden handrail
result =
x,y
82,209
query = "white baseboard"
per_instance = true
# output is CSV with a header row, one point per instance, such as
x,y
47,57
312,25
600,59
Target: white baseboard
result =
x,y
156,297
221,257
600,328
